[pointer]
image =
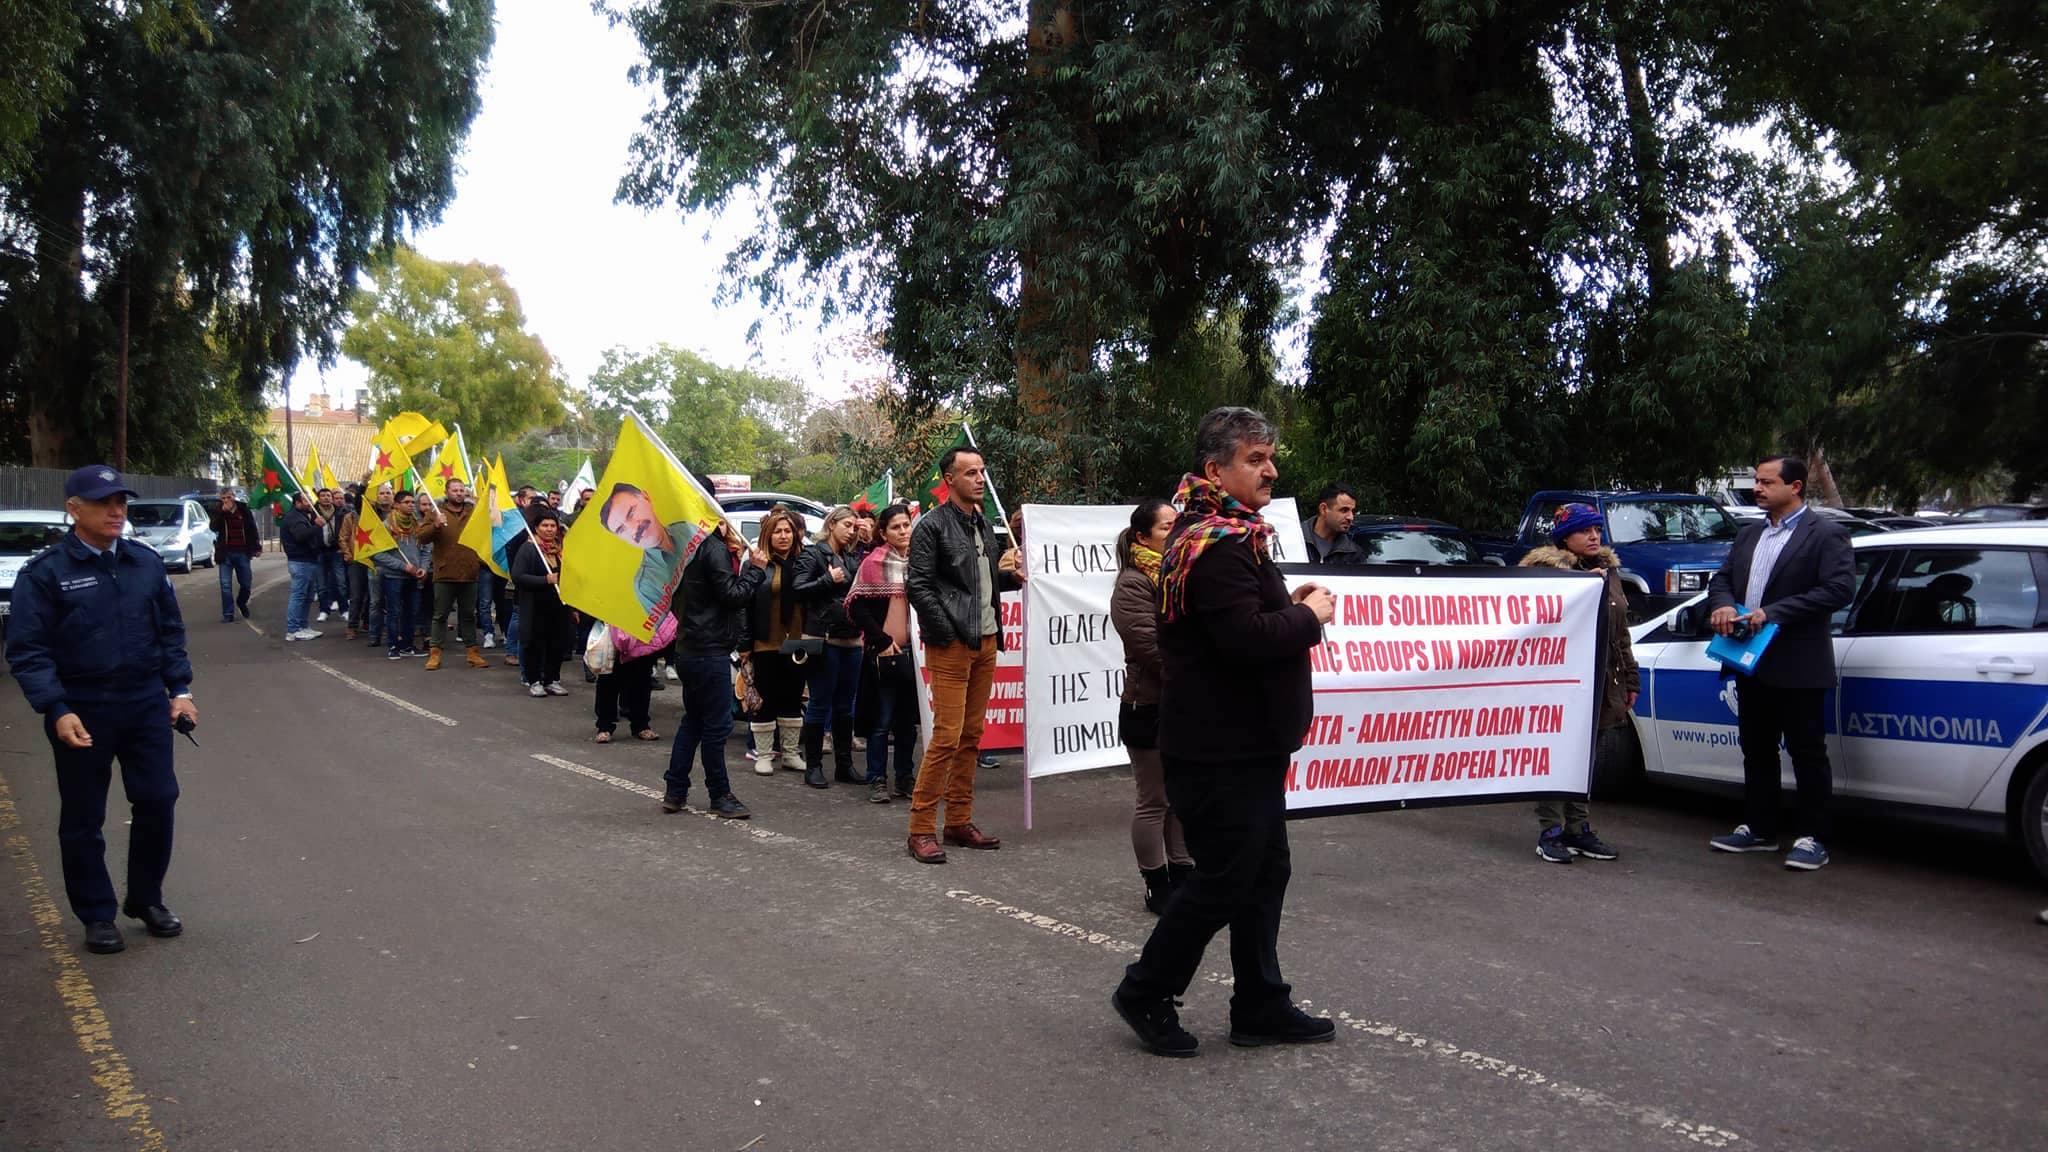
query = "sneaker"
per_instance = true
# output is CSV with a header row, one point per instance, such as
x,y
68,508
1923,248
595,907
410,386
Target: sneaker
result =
x,y
490,641
986,760
752,755
394,654
1585,843
1743,840
673,803
904,789
536,690
414,650
878,792
310,634
556,689
322,617
673,678
1551,846
1288,1025
1156,1023
729,807
1807,855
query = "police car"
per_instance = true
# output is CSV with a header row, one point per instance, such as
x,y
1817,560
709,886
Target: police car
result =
x,y
1942,707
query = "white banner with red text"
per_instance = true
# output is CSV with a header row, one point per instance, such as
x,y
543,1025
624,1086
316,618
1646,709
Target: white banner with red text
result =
x,y
1073,657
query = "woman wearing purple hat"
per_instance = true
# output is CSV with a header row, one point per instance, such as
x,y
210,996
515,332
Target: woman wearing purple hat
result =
x,y
1575,543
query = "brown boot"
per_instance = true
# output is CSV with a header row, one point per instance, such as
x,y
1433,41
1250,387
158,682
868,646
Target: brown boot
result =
x,y
433,658
476,658
924,848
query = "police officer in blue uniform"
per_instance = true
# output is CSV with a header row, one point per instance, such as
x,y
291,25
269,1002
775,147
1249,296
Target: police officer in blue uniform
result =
x,y
98,646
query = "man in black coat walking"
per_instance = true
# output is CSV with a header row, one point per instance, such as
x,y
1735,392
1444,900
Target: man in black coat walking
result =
x,y
1235,706
1794,570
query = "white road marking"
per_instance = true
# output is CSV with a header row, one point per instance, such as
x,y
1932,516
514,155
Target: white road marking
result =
x,y
1706,1135
379,693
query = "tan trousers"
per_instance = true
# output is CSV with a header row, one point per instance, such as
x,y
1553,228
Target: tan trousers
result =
x,y
961,679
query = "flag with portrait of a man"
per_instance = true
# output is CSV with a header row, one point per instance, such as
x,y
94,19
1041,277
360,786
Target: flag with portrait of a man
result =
x,y
625,555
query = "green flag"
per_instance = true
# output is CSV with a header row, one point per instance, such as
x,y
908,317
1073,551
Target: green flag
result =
x,y
878,495
274,483
935,482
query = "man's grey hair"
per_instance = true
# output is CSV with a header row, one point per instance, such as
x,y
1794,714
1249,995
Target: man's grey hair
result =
x,y
1224,430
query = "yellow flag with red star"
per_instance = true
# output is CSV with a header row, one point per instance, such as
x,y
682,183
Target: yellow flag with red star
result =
x,y
371,536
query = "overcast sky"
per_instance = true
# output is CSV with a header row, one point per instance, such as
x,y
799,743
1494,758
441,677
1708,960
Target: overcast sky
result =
x,y
534,196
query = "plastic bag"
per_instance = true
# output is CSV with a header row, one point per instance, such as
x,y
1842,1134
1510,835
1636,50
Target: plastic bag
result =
x,y
598,653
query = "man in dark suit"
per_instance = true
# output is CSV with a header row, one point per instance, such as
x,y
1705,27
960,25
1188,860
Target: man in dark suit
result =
x,y
1794,570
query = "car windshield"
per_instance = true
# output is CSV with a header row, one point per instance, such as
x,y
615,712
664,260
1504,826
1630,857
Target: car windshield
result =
x,y
1417,548
1667,521
28,539
156,515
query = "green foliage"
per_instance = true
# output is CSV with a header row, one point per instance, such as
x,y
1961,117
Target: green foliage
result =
x,y
450,341
219,176
715,419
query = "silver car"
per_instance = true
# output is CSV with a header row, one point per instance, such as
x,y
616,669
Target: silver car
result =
x,y
177,529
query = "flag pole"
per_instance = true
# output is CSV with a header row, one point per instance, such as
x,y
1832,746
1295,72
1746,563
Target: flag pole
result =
x,y
296,486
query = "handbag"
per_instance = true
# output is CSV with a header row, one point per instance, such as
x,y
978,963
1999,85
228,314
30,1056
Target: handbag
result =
x,y
802,649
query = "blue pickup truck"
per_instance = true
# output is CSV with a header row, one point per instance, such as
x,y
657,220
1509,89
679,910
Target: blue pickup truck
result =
x,y
1669,542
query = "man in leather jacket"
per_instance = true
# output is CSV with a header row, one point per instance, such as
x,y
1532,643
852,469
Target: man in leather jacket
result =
x,y
957,576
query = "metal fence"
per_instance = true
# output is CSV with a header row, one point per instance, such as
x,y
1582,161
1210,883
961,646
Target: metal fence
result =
x,y
44,487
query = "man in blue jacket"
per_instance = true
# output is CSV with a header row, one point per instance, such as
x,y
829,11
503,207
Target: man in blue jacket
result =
x,y
98,645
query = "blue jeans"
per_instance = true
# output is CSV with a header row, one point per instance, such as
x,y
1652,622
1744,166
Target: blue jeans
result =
x,y
895,716
305,576
707,721
400,594
233,566
834,680
333,582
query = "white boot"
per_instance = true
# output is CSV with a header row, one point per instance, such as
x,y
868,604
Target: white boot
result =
x,y
764,748
792,731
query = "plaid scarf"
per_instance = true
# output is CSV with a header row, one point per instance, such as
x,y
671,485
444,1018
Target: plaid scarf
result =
x,y
1209,516
881,576
1147,561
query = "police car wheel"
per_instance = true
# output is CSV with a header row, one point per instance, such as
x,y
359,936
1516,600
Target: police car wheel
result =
x,y
1638,604
2033,815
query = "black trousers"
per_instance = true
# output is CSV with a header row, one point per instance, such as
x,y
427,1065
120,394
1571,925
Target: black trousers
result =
x,y
1234,814
625,691
138,735
1797,718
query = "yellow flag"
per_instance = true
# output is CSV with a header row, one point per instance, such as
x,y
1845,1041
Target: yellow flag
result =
x,y
313,467
417,444
327,478
406,425
448,465
625,556
372,536
496,525
389,461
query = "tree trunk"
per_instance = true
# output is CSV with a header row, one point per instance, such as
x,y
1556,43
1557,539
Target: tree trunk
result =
x,y
1652,212
1820,486
55,388
1051,350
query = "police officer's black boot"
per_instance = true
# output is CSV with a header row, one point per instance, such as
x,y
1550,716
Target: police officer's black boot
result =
x,y
842,751
814,755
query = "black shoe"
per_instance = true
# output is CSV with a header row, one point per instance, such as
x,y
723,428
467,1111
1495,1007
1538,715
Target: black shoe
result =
x,y
1585,843
673,804
813,742
729,806
878,792
842,752
159,920
104,937
394,654
1158,886
1156,1023
1286,1025
905,789
243,609
1179,873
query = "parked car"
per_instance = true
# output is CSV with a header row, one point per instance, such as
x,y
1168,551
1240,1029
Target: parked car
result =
x,y
177,529
1895,523
24,532
1414,540
1942,710
748,509
2004,512
1669,543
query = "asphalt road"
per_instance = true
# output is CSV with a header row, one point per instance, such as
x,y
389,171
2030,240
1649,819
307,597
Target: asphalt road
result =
x,y
424,912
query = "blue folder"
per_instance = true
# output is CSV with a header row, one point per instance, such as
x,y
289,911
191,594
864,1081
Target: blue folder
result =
x,y
1742,655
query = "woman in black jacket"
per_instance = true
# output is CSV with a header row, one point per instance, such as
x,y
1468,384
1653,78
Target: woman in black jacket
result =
x,y
824,575
777,615
881,609
544,621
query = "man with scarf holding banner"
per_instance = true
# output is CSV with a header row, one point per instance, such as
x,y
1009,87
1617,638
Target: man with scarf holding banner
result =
x,y
1235,707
